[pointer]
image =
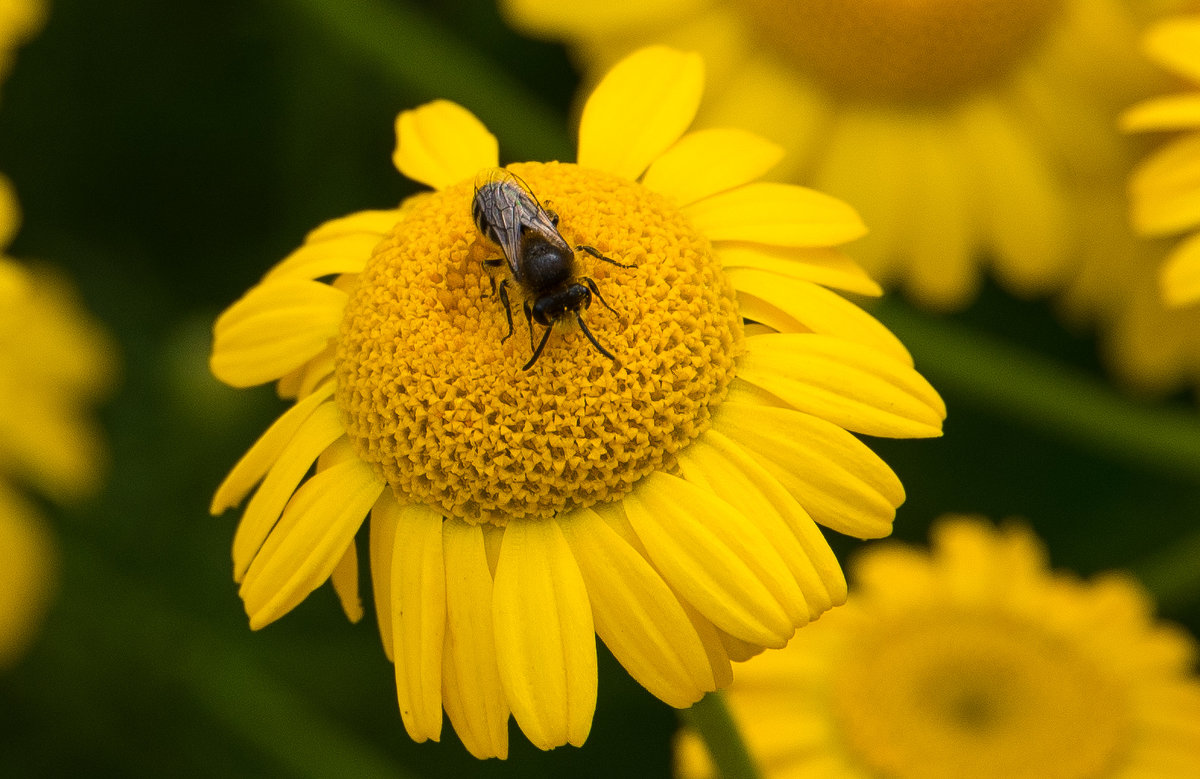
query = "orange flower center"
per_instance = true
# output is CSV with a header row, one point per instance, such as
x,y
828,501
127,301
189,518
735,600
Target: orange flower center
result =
x,y
962,695
437,400
903,49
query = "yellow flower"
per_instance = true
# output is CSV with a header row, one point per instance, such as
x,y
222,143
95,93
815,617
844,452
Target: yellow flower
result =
x,y
666,499
19,20
966,131
1165,189
54,364
974,660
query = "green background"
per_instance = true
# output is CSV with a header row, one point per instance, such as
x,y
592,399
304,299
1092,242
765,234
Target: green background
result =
x,y
167,153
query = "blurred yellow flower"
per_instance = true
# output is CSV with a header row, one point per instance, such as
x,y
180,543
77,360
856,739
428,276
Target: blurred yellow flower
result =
x,y
19,20
666,500
972,660
966,131
1166,188
55,363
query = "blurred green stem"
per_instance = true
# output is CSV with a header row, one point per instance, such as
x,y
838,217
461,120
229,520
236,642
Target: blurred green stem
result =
x,y
710,718
418,54
1046,395
1172,575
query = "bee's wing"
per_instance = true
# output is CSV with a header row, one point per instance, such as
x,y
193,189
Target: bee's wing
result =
x,y
502,195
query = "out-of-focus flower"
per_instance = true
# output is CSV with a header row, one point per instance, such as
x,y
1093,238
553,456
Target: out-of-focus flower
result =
x,y
974,660
666,500
55,363
1166,187
19,21
965,131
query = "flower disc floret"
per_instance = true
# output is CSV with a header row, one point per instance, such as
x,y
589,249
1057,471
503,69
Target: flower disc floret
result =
x,y
447,415
900,48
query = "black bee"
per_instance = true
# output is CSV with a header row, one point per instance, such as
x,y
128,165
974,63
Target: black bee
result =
x,y
542,263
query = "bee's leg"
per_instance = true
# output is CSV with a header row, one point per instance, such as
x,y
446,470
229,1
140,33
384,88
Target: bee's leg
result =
x,y
595,253
493,263
583,326
596,291
529,322
551,213
507,308
541,345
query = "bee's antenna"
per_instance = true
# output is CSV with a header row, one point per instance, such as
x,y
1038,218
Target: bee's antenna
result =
x,y
538,352
583,326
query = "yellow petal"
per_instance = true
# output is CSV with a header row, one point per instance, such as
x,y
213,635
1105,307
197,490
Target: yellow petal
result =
x,y
385,515
1181,273
706,162
274,329
442,143
841,483
314,435
379,222
636,614
1171,112
851,385
639,109
255,462
940,225
1173,43
304,548
29,576
736,477
348,254
777,215
739,651
791,305
820,265
1166,188
545,637
614,516
345,583
1021,203
419,619
709,553
473,695
593,17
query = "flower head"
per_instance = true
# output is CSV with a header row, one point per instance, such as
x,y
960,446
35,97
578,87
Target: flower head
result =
x,y
666,499
968,132
55,363
1166,188
973,660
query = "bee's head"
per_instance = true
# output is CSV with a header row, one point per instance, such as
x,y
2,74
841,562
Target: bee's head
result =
x,y
552,307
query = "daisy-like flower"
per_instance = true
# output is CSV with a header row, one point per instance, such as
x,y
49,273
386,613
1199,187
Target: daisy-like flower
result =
x,y
965,131
666,500
55,363
972,660
1165,189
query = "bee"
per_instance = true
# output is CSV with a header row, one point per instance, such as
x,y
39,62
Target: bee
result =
x,y
542,263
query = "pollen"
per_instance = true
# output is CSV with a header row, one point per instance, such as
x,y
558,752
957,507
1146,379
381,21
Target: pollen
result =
x,y
904,49
436,399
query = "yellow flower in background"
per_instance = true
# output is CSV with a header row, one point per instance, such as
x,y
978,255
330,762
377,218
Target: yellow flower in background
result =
x,y
55,364
19,20
1165,189
967,132
972,660
666,500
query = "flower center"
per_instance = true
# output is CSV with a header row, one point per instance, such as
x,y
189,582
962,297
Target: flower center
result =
x,y
903,49
964,696
437,400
